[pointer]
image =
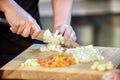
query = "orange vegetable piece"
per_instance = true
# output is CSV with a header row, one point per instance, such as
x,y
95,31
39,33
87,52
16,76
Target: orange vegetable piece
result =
x,y
57,60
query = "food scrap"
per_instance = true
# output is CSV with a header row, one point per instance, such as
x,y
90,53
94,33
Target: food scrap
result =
x,y
83,54
86,54
54,41
102,66
30,62
55,38
52,61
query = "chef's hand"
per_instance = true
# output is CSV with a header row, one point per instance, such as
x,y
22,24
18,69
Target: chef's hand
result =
x,y
115,75
66,31
20,21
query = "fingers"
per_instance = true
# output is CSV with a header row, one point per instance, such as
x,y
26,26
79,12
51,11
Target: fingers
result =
x,y
18,27
70,34
14,28
26,28
35,30
21,28
67,32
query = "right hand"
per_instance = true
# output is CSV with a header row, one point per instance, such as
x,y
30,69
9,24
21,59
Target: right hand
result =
x,y
20,21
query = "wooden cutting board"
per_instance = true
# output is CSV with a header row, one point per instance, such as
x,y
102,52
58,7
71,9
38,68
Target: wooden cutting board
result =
x,y
13,70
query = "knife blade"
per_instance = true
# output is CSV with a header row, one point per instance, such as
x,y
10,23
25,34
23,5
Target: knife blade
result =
x,y
70,44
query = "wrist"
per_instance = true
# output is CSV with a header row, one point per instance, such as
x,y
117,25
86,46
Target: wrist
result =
x,y
58,26
61,21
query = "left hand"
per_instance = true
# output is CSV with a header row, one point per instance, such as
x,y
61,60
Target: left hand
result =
x,y
66,31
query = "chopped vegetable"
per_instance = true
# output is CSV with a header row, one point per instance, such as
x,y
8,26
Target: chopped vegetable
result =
x,y
85,54
59,60
103,66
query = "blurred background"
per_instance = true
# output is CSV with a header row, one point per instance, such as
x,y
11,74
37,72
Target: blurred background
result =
x,y
95,22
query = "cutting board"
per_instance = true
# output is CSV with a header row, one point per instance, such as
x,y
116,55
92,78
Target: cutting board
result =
x,y
14,70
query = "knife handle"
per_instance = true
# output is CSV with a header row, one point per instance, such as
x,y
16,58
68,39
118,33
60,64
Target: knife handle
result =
x,y
40,34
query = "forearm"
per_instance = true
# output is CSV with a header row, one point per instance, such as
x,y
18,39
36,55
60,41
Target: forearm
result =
x,y
6,4
62,12
21,22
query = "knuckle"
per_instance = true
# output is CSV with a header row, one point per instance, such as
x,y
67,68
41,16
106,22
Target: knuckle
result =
x,y
37,31
22,23
16,25
24,35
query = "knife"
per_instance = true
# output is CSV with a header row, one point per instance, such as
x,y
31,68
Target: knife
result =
x,y
67,43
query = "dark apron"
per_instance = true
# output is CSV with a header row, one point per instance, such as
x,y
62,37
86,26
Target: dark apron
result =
x,y
11,44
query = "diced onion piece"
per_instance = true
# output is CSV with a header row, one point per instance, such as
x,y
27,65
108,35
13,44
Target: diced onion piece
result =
x,y
94,66
50,38
109,65
101,67
85,54
30,62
